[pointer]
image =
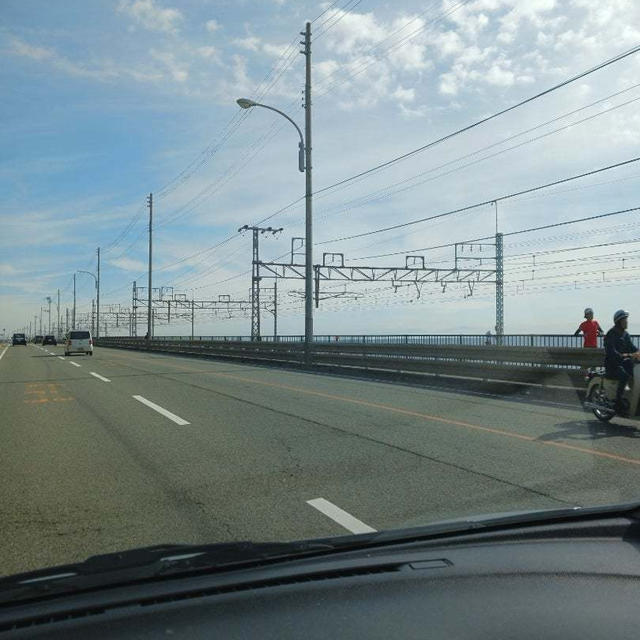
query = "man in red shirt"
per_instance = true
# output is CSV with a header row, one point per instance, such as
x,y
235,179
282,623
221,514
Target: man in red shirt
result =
x,y
590,329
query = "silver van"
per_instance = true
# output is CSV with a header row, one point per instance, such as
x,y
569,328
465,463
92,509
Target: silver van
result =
x,y
78,341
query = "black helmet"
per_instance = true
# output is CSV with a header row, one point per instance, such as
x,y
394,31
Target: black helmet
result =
x,y
620,314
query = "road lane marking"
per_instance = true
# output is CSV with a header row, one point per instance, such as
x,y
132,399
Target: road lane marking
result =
x,y
340,516
5,351
159,409
60,358
97,375
75,364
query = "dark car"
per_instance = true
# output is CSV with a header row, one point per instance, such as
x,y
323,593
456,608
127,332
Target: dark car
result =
x,y
19,338
50,340
38,339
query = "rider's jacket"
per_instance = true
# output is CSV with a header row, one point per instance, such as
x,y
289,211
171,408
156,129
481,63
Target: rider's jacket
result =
x,y
615,344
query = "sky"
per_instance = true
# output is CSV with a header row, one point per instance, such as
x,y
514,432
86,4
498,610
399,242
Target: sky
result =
x,y
105,102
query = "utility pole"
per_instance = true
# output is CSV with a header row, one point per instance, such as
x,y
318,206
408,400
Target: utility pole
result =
x,y
73,317
134,310
275,310
499,289
40,319
67,319
58,308
49,312
149,315
308,283
255,277
193,315
93,317
98,298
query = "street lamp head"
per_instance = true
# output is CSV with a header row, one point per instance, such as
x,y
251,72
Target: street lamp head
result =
x,y
245,103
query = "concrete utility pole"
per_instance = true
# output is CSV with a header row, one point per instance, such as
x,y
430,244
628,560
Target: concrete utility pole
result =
x,y
98,298
149,314
73,317
58,309
93,317
48,299
67,319
305,165
308,238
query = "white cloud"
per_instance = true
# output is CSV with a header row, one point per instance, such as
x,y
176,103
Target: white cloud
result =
x,y
251,43
179,72
7,269
128,264
151,16
499,76
212,26
208,52
404,95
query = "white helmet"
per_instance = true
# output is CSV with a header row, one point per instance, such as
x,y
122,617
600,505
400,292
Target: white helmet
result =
x,y
587,311
619,315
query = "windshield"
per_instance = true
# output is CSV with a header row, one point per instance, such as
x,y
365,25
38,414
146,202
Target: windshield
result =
x,y
79,335
309,269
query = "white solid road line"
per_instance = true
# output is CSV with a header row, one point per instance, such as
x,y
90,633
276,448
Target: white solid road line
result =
x,y
164,412
97,375
343,518
5,351
75,364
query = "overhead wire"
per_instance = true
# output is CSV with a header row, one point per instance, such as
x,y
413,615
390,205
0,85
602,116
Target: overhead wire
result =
x,y
490,201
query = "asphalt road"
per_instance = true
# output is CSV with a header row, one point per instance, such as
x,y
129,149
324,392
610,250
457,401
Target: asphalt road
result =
x,y
125,449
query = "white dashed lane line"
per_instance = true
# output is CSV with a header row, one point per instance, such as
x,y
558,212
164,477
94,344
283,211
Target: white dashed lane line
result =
x,y
75,364
161,410
97,375
340,516
60,358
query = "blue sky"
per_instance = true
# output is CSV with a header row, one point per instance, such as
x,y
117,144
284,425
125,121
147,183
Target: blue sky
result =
x,y
105,102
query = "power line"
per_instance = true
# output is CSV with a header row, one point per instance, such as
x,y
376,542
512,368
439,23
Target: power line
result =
x,y
429,145
387,192
476,205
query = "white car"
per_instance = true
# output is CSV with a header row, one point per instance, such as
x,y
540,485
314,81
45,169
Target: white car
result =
x,y
78,342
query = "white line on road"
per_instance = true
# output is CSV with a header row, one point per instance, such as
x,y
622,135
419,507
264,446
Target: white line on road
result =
x,y
5,351
60,358
164,412
97,375
75,364
341,517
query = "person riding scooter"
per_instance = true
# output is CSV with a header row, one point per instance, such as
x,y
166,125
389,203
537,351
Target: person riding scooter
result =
x,y
619,355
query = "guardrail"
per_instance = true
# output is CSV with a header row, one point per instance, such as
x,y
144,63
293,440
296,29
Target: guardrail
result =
x,y
561,366
476,340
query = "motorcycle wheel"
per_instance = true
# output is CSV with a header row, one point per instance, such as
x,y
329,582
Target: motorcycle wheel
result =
x,y
604,415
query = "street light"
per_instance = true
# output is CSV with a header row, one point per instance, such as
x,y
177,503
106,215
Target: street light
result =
x,y
304,166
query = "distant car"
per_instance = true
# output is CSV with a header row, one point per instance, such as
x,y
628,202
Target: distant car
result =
x,y
50,340
78,342
38,339
19,338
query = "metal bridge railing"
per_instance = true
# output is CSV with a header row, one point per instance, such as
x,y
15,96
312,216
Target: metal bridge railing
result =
x,y
470,340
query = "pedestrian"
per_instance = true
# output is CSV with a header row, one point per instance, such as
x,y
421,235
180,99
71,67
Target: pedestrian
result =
x,y
590,329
